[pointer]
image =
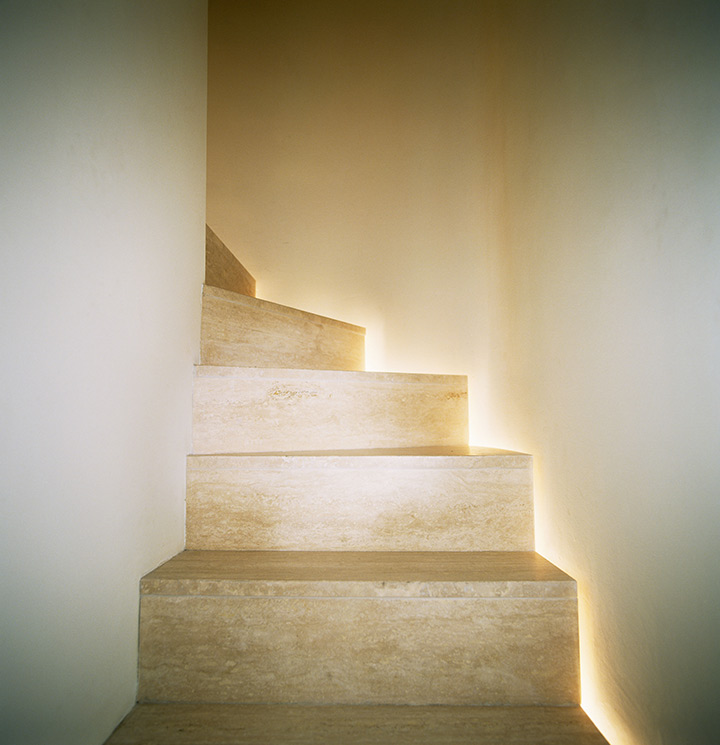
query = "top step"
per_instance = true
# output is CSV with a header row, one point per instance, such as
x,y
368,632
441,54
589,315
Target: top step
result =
x,y
243,331
222,269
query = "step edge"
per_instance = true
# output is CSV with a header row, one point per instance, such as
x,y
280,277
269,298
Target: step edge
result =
x,y
323,590
440,451
200,462
290,373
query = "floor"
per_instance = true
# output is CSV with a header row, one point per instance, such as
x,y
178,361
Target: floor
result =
x,y
242,724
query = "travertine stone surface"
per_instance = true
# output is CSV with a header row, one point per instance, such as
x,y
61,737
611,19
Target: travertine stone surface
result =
x,y
358,650
481,501
383,562
213,724
222,269
241,410
457,643
245,331
360,574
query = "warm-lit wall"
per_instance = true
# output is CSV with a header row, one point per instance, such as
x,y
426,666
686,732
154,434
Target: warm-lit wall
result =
x,y
527,191
346,168
102,168
608,343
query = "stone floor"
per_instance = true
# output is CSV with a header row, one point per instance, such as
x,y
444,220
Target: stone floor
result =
x,y
242,724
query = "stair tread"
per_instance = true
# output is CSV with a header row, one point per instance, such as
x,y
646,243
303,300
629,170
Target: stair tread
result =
x,y
270,307
361,573
241,724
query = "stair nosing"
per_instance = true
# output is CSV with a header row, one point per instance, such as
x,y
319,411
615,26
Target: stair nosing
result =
x,y
180,577
346,461
291,373
423,451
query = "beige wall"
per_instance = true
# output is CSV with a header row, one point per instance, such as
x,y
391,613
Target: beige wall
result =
x,y
345,168
102,135
607,356
526,192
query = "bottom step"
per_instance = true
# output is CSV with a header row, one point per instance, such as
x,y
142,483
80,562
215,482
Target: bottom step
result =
x,y
317,628
242,724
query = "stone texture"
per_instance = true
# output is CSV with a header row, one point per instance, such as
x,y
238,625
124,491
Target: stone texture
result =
x,y
242,410
358,650
428,500
459,644
360,574
245,331
208,724
222,269
433,612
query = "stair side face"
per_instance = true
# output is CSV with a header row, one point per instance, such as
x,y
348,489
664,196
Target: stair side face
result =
x,y
222,269
246,410
282,628
366,503
244,331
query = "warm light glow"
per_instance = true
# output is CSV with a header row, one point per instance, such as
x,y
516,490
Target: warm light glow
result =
x,y
590,689
375,347
590,695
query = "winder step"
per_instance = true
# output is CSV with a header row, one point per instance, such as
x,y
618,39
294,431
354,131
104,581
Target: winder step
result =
x,y
242,410
222,268
245,331
412,499
241,724
418,628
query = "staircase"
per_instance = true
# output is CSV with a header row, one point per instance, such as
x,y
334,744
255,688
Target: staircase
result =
x,y
354,572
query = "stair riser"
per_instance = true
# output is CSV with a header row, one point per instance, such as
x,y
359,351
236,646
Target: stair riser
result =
x,y
236,411
359,650
243,331
366,503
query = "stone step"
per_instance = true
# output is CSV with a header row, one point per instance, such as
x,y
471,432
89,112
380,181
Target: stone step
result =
x,y
242,724
416,499
244,410
246,331
222,268
416,628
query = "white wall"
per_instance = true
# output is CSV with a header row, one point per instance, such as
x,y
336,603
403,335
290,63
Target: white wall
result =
x,y
607,363
345,169
102,142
